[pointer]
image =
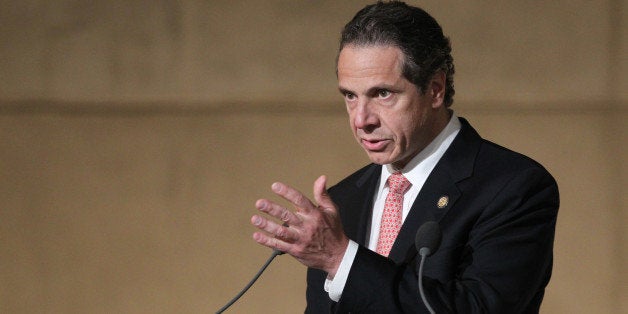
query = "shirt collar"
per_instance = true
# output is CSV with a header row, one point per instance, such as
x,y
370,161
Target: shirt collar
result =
x,y
427,158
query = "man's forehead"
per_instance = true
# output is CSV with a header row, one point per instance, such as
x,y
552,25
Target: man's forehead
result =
x,y
370,62
369,52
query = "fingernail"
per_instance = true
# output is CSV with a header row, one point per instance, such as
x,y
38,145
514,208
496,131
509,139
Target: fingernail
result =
x,y
276,187
256,220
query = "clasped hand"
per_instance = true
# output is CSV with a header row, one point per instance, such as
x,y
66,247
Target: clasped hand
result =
x,y
311,233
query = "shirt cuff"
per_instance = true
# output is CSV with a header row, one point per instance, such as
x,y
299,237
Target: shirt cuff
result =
x,y
335,286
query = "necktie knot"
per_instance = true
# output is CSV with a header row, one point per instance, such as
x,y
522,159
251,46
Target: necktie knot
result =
x,y
397,183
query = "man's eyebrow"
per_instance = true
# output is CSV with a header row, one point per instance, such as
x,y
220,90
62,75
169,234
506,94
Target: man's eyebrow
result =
x,y
371,90
382,86
344,91
375,89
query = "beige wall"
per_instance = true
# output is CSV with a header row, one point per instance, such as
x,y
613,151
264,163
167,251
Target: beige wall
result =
x,y
135,137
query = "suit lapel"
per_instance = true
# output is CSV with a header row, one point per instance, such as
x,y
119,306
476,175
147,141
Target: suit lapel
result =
x,y
425,208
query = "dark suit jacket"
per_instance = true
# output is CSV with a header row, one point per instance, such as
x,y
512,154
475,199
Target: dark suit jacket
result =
x,y
498,234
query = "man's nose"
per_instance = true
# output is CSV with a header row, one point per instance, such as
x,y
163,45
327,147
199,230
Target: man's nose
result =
x,y
365,117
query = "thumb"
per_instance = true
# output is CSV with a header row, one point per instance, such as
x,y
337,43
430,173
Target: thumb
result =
x,y
320,194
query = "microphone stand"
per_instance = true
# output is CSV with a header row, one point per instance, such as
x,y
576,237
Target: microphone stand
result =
x,y
259,273
424,252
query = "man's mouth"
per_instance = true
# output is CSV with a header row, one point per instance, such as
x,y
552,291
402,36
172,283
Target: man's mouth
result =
x,y
374,144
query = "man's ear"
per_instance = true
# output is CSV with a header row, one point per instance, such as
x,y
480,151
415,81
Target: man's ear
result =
x,y
437,88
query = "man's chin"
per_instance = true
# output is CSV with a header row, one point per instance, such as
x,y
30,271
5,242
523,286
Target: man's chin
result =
x,y
379,158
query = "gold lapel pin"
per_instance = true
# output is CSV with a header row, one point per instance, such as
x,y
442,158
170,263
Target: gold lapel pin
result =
x,y
443,201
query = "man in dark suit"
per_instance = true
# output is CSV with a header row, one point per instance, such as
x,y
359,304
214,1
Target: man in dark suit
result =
x,y
496,208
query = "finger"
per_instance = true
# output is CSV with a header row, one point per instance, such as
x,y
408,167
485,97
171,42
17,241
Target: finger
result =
x,y
320,194
282,232
293,196
278,212
271,242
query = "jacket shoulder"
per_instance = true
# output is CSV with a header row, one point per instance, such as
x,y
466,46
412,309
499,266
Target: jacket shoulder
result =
x,y
357,179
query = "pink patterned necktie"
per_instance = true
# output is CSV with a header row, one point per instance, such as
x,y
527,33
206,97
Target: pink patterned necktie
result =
x,y
391,217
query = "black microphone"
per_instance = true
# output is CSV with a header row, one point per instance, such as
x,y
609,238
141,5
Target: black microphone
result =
x,y
427,241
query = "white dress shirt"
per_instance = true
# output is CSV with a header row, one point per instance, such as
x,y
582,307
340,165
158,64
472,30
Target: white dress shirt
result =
x,y
416,171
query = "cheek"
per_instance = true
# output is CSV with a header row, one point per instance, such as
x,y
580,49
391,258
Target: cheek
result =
x,y
399,125
351,116
354,130
415,120
406,132
351,124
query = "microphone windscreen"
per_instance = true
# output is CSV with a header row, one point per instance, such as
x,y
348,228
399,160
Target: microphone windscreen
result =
x,y
428,236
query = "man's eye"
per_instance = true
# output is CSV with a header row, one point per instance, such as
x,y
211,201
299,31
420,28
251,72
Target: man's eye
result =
x,y
383,93
349,96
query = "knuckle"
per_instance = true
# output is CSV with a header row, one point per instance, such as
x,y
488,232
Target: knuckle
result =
x,y
285,215
271,242
263,240
281,232
298,251
300,200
